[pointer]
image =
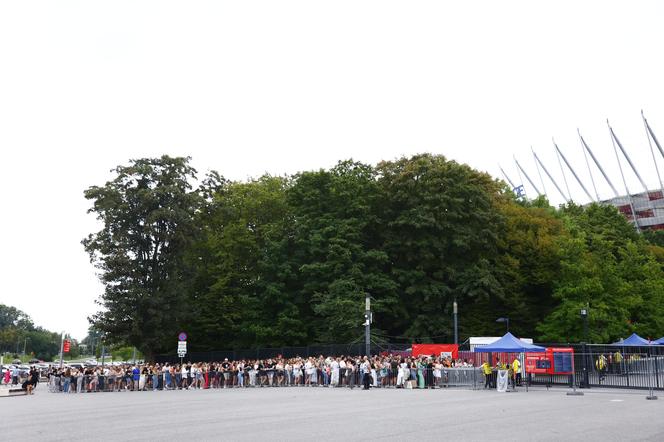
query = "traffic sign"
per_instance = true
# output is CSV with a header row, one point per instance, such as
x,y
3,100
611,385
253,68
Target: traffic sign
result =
x,y
182,336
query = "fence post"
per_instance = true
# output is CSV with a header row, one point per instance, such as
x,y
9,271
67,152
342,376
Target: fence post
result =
x,y
626,367
650,396
574,392
655,366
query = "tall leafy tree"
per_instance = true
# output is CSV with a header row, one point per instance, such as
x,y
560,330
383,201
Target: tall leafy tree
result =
x,y
527,265
244,300
606,267
147,216
18,332
440,230
337,249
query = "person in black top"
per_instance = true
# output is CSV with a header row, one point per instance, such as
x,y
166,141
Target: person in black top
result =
x,y
32,381
269,368
189,377
214,379
428,376
226,370
262,376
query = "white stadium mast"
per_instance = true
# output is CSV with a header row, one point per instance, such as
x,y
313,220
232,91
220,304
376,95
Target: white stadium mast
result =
x,y
569,166
599,166
650,134
550,177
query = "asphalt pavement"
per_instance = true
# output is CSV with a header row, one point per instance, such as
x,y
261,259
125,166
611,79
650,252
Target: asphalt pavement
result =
x,y
321,414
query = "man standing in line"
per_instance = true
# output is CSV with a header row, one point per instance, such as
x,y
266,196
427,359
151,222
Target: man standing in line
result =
x,y
136,376
166,373
366,370
350,372
334,365
342,371
225,370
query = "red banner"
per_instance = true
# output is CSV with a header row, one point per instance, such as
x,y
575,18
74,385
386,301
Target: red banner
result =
x,y
436,350
66,346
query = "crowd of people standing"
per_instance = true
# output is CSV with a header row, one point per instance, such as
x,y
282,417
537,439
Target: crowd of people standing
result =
x,y
349,371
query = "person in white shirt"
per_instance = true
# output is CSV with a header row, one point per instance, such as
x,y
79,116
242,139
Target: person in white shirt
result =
x,y
402,376
366,373
240,374
308,372
297,372
184,373
334,365
193,371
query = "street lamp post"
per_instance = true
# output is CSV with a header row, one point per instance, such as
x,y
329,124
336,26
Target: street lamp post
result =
x,y
62,346
584,315
506,320
367,325
456,322
584,349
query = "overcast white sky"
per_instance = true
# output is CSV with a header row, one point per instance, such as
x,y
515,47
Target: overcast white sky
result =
x,y
247,87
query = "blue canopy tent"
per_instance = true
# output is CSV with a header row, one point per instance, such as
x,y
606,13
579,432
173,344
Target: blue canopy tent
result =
x,y
634,341
660,341
510,344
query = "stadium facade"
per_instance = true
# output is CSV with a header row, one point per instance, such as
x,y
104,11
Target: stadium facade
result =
x,y
645,209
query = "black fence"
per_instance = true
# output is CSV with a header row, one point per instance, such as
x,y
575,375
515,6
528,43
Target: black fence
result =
x,y
596,365
611,366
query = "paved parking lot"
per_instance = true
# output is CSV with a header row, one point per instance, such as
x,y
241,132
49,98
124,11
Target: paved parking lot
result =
x,y
332,414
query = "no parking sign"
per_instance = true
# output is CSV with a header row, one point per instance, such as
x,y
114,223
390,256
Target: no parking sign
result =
x,y
182,344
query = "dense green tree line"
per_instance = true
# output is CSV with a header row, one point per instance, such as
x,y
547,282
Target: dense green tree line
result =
x,y
278,261
18,334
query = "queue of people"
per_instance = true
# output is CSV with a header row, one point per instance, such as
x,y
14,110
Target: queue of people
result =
x,y
342,371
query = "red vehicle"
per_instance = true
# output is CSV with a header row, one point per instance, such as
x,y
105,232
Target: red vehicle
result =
x,y
553,361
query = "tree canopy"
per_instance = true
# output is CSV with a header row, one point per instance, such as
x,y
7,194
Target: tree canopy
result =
x,y
19,333
288,260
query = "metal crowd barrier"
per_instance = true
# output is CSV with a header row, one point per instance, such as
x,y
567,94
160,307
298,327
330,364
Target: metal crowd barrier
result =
x,y
407,378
